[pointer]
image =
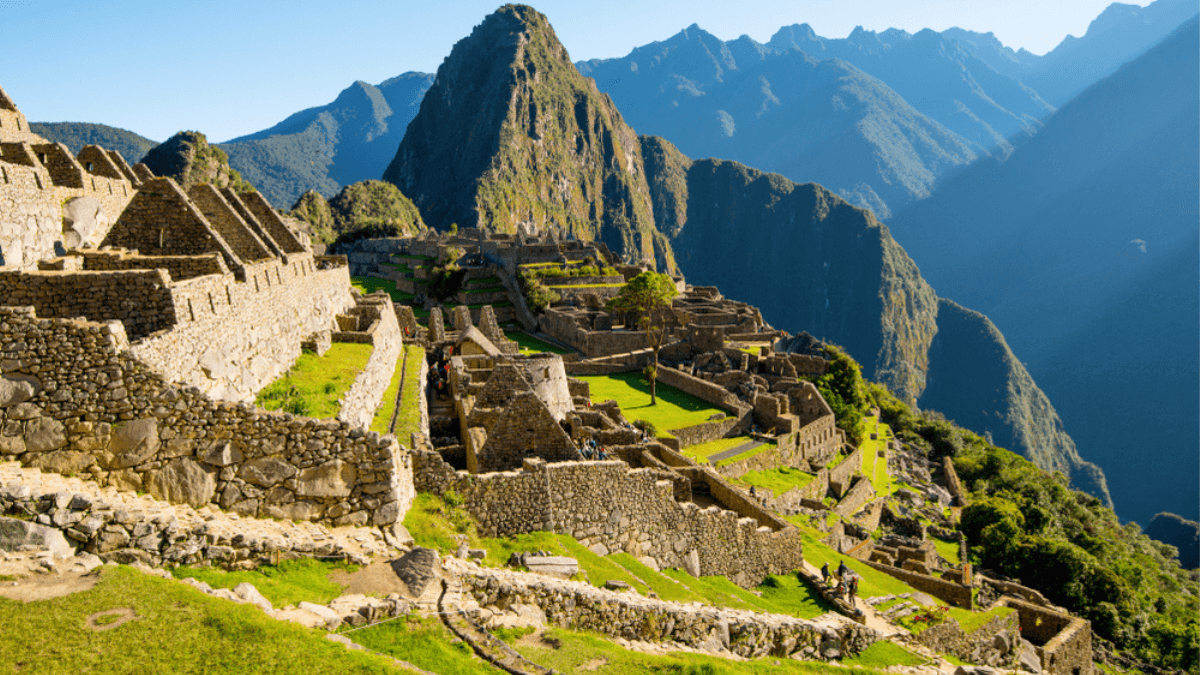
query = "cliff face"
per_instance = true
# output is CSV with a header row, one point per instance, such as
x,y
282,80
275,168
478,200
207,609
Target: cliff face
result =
x,y
511,136
812,261
804,255
974,378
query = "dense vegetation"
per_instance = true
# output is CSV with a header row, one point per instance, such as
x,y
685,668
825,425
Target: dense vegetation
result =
x,y
370,209
188,158
1029,524
75,135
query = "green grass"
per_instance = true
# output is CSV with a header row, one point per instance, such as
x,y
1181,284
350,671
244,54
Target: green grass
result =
x,y
675,409
408,419
531,345
788,595
315,384
757,450
177,629
368,285
948,550
779,480
588,286
426,643
874,466
872,583
883,654
287,583
973,621
702,451
659,583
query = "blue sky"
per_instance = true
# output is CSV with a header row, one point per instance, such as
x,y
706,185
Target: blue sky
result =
x,y
233,68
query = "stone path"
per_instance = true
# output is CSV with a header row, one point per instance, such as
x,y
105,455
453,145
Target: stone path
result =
x,y
487,646
88,513
735,451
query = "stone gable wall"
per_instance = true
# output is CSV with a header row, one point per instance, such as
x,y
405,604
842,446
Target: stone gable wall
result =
x,y
78,400
861,492
245,244
271,222
609,506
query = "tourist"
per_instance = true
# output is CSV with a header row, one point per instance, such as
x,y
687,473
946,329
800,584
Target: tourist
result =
x,y
842,570
852,588
825,573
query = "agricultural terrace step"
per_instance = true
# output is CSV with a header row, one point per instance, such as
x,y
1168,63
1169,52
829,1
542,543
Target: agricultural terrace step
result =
x,y
735,451
96,515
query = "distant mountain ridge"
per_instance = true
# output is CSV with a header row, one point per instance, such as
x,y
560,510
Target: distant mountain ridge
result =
x,y
133,147
325,148
1083,248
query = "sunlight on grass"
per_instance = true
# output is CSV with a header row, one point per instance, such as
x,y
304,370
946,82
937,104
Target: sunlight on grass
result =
x,y
314,385
531,345
368,285
779,480
675,409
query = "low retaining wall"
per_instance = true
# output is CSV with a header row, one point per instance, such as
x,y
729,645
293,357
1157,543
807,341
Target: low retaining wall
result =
x,y
76,400
608,506
839,476
709,431
861,492
579,606
362,399
955,594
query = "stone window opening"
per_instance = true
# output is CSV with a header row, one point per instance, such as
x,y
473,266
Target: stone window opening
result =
x,y
191,312
162,232
278,276
228,295
4,173
256,287
38,179
211,304
87,166
267,276
94,189
41,157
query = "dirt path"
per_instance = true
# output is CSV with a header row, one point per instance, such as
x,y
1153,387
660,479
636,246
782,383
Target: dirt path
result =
x,y
45,586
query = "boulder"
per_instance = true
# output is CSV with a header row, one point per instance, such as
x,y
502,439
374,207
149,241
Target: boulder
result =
x,y
183,482
133,442
266,471
417,569
14,391
691,563
63,461
249,594
332,479
552,565
44,434
16,533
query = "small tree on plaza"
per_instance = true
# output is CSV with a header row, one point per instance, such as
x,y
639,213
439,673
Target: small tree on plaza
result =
x,y
648,297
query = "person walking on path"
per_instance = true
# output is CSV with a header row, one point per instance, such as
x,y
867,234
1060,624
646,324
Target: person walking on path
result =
x,y
842,570
852,589
825,574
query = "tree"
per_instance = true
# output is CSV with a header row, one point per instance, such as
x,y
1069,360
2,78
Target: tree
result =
x,y
648,297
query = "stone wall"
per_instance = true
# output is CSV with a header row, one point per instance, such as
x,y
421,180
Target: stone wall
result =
x,y
839,475
953,484
39,217
359,404
179,267
75,399
955,594
702,389
1064,642
861,492
139,299
610,507
579,606
949,638
232,339
711,431
226,220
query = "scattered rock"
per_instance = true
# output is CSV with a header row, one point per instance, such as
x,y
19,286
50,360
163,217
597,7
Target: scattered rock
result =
x,y
416,569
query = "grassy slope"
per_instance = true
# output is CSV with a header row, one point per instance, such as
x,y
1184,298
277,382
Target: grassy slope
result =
x,y
178,629
675,409
532,345
288,583
315,385
408,420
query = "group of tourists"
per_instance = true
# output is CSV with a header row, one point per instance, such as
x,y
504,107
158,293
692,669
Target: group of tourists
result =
x,y
847,582
590,450
438,381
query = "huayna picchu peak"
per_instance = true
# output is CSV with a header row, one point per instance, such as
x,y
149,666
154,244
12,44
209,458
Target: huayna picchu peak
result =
x,y
554,396
511,138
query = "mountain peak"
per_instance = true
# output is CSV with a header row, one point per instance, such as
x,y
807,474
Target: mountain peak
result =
x,y
511,138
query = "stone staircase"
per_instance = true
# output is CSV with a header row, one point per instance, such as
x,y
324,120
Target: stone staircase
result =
x,y
128,527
